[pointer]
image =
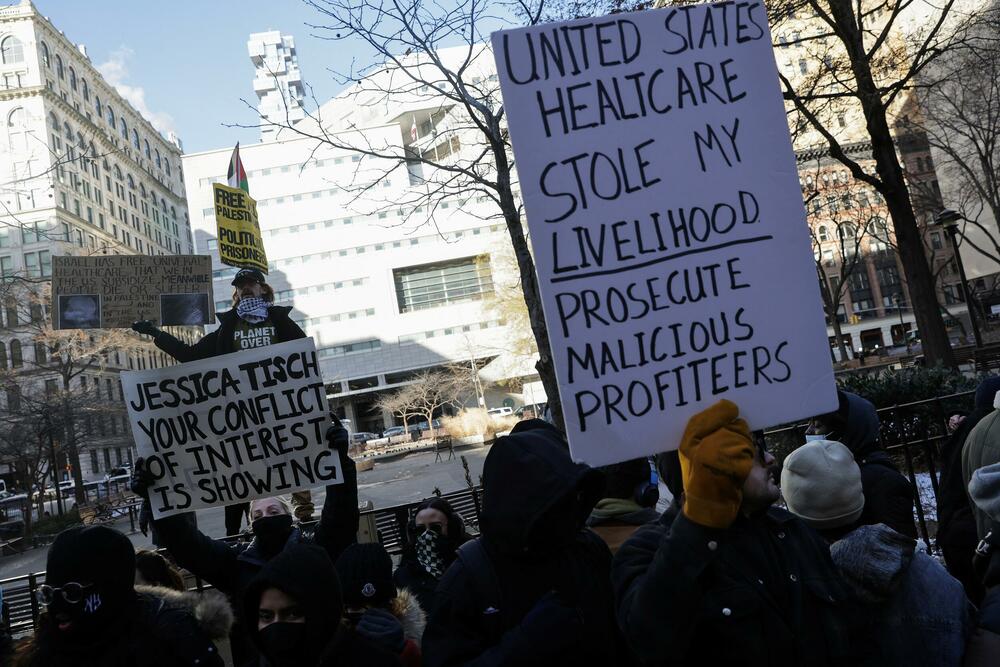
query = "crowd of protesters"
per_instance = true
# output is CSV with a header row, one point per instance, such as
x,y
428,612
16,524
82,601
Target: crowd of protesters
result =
x,y
572,564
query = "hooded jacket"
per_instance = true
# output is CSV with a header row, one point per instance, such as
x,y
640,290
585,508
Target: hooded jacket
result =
x,y
540,559
160,628
956,533
231,567
888,495
411,574
981,449
220,341
306,574
615,519
917,613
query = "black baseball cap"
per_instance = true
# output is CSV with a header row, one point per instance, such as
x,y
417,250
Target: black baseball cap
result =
x,y
249,274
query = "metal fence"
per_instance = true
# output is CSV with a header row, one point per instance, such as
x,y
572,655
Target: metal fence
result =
x,y
912,433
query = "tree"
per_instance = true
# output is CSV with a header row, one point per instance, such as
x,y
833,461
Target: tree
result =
x,y
870,60
428,392
400,403
26,445
465,150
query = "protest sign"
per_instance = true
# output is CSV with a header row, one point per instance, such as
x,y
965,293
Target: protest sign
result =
x,y
669,234
240,242
113,291
232,428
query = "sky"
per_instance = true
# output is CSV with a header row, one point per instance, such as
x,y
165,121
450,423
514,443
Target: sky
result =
x,y
184,63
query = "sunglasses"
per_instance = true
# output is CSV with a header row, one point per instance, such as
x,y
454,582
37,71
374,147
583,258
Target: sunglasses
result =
x,y
71,592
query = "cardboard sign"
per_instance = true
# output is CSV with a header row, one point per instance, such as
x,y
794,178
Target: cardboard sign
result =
x,y
113,291
240,242
668,228
232,428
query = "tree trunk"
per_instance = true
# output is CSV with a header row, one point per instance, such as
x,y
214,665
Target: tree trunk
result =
x,y
529,285
926,310
839,333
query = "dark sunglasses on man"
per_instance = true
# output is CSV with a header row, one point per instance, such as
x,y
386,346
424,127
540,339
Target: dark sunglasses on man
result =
x,y
71,592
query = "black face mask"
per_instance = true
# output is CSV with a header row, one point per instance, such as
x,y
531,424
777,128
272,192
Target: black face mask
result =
x,y
271,533
286,644
88,620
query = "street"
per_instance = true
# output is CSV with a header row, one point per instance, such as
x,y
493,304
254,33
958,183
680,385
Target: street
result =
x,y
394,482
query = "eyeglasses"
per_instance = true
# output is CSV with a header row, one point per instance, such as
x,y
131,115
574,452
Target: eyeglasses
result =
x,y
71,592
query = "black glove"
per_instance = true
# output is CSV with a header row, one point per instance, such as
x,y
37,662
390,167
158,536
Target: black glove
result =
x,y
142,479
381,627
554,625
337,437
145,327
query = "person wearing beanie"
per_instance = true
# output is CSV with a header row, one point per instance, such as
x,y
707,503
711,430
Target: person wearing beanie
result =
x,y
534,588
888,494
912,612
296,605
93,616
253,321
433,536
229,567
984,646
730,579
956,533
630,496
378,611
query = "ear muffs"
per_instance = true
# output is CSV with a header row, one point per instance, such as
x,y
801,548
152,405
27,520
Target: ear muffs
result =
x,y
647,494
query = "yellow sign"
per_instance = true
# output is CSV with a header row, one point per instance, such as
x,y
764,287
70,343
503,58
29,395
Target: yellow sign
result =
x,y
240,243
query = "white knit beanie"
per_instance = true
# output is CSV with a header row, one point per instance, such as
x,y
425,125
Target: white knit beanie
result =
x,y
821,484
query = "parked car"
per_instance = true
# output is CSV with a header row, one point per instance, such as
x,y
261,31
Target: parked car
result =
x,y
362,437
500,412
393,431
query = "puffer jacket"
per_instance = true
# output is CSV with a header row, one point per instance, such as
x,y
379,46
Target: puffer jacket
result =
x,y
916,613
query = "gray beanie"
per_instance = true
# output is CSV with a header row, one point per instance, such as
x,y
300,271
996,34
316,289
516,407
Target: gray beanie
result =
x,y
984,489
821,484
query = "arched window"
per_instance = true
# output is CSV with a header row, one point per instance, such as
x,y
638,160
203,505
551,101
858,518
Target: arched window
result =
x,y
17,135
173,212
40,356
142,190
11,51
158,164
135,138
146,146
45,59
59,67
846,232
131,182
16,360
3,356
81,142
72,79
824,234
166,166
123,126
111,117
85,89
54,122
97,107
118,173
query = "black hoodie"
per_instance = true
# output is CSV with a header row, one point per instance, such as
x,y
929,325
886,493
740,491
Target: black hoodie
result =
x,y
306,574
535,503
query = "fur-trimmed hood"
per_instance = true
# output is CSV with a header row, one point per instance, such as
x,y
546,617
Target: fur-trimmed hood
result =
x,y
210,608
407,609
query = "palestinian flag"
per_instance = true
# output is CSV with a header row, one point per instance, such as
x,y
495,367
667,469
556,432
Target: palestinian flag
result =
x,y
237,176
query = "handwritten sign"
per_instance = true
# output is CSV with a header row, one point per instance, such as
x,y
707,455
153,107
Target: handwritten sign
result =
x,y
113,291
664,207
240,242
232,428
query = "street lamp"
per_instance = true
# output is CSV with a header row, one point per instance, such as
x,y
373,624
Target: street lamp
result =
x,y
949,219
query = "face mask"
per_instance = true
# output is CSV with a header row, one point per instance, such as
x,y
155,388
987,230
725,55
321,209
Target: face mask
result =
x,y
431,548
817,437
252,309
87,619
285,645
271,533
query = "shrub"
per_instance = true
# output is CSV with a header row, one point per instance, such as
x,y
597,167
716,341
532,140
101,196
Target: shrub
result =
x,y
896,387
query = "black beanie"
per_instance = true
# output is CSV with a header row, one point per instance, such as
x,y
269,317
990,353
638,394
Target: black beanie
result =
x,y
365,572
92,554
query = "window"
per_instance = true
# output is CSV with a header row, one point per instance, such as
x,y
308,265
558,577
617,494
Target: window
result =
x,y
12,318
166,166
59,68
38,264
146,148
158,163
14,398
40,356
86,90
11,51
803,67
3,356
93,452
823,233
432,285
135,138
936,240
97,107
72,79
107,451
124,127
111,117
16,359
45,56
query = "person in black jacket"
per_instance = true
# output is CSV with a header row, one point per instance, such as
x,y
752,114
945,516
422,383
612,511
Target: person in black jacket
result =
x,y
253,321
294,608
231,567
629,501
730,579
534,589
888,494
956,534
94,617
433,537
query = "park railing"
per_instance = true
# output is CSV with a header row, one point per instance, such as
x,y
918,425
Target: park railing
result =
x,y
912,433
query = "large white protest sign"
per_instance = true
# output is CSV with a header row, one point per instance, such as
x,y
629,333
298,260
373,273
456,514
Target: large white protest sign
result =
x,y
232,428
670,240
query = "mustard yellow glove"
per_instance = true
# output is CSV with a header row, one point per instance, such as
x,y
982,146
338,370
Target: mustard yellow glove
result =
x,y
716,455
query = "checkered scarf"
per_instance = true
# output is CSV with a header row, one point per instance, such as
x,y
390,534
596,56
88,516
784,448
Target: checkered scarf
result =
x,y
430,547
252,309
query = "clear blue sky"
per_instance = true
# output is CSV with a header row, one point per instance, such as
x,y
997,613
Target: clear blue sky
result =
x,y
188,61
